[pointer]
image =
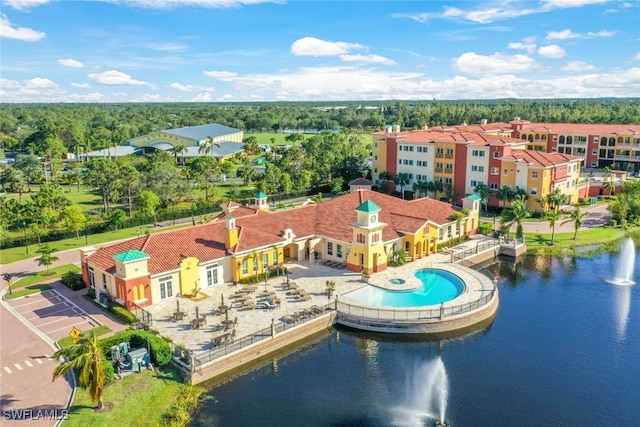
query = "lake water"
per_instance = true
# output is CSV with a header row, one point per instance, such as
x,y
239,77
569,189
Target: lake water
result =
x,y
563,350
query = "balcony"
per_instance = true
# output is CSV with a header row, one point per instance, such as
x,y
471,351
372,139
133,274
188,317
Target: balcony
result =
x,y
448,156
439,155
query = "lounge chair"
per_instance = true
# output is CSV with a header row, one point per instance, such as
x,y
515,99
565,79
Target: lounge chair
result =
x,y
289,319
268,304
316,309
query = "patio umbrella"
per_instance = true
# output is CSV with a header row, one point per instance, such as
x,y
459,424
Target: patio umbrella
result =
x,y
222,298
178,305
226,315
197,313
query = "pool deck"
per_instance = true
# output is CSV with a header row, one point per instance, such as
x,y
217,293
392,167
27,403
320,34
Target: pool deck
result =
x,y
309,276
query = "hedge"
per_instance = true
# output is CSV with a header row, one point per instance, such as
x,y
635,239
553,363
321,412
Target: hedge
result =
x,y
160,348
73,280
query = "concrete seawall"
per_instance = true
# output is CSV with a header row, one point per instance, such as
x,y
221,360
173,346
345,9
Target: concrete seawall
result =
x,y
260,350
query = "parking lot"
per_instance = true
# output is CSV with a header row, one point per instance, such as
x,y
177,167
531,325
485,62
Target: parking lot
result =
x,y
53,314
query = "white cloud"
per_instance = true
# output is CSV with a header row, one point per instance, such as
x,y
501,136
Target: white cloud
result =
x,y
568,34
9,31
561,4
173,4
577,67
220,75
498,63
168,47
496,10
81,85
71,63
202,97
636,57
190,88
311,46
374,59
25,4
527,43
117,78
552,51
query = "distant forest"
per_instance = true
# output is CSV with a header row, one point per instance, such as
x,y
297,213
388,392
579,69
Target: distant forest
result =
x,y
86,127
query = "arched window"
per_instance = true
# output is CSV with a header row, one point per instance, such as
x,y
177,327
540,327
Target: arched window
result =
x,y
561,139
544,137
569,140
603,141
612,142
524,136
620,140
537,137
530,137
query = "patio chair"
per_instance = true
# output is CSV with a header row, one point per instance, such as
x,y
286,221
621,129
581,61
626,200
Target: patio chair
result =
x,y
316,309
288,319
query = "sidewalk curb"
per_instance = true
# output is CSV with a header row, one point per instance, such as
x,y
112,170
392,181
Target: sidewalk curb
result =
x,y
47,340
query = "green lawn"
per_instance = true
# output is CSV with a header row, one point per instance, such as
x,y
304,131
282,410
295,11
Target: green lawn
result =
x,y
41,276
100,330
29,290
138,400
538,243
265,138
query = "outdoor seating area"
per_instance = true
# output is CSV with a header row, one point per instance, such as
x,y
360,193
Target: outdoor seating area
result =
x,y
333,264
209,323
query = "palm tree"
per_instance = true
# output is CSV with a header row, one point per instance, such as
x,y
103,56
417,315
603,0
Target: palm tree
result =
x,y
609,185
483,192
504,195
515,215
401,180
177,148
557,199
384,178
85,358
552,217
207,146
542,202
437,187
577,218
458,217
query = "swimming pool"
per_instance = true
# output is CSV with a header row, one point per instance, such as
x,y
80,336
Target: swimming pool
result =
x,y
437,286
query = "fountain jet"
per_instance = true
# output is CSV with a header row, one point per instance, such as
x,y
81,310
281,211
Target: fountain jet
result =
x,y
625,265
427,389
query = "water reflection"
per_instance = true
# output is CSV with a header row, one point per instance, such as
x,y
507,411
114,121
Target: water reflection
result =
x,y
622,306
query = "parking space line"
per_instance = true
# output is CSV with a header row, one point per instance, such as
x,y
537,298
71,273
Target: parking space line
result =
x,y
29,364
18,367
7,369
39,361
75,324
49,314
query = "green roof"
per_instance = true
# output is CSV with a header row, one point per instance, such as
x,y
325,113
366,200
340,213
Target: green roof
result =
x,y
368,206
261,195
474,197
130,255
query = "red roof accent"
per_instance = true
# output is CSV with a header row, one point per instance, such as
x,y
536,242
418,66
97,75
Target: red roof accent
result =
x,y
259,229
539,158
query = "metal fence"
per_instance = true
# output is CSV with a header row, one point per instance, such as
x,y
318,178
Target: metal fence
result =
x,y
193,360
145,319
409,315
480,247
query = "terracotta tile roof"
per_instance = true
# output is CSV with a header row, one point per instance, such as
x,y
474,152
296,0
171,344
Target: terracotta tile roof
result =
x,y
472,138
582,128
329,219
251,238
539,158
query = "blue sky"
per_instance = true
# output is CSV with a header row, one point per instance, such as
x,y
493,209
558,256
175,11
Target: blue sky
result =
x,y
262,50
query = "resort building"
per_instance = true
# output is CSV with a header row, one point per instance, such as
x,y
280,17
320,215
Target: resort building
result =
x,y
212,140
363,231
536,157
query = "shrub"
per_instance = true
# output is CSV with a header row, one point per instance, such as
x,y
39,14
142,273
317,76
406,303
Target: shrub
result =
x,y
122,313
613,223
73,280
486,228
107,367
160,348
91,293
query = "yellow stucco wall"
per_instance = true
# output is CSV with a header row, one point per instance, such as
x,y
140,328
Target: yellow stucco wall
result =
x,y
189,275
132,269
237,263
